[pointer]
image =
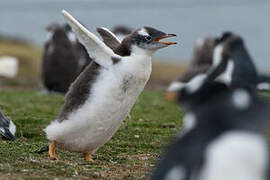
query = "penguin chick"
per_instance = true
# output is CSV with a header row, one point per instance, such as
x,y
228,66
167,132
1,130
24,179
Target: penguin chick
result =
x,y
104,93
60,64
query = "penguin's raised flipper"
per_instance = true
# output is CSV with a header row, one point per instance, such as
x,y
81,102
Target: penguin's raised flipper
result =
x,y
109,38
100,53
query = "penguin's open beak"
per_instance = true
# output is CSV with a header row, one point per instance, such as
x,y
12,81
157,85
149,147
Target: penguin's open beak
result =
x,y
157,40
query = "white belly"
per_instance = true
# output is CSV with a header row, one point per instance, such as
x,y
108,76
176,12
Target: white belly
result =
x,y
94,123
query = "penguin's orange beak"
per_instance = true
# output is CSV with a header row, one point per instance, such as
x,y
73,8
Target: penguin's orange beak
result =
x,y
164,37
171,96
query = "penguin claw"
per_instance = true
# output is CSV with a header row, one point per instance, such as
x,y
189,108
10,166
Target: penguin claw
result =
x,y
54,158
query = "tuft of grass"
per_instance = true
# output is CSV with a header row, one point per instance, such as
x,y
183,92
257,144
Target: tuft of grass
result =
x,y
130,154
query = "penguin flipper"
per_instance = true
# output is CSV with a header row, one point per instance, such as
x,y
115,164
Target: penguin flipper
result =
x,y
109,38
99,52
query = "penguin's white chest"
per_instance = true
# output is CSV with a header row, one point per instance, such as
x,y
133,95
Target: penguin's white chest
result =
x,y
110,101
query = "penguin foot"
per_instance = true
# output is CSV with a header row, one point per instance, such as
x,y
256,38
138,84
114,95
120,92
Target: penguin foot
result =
x,y
88,157
52,148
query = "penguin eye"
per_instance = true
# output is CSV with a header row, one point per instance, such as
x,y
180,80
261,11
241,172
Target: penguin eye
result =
x,y
148,38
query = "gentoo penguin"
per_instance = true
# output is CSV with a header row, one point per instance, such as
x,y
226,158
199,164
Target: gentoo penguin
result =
x,y
63,59
104,93
60,64
226,142
7,127
233,64
200,64
121,31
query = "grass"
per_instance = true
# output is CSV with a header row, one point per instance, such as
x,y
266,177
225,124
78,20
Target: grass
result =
x,y
130,154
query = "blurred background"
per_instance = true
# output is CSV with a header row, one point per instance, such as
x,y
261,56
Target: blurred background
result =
x,y
22,33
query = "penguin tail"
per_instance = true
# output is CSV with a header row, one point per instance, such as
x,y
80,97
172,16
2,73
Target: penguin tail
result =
x,y
43,149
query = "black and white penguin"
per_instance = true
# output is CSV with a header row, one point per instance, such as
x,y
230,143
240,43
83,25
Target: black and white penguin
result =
x,y
226,139
122,31
234,65
104,93
199,65
63,59
7,127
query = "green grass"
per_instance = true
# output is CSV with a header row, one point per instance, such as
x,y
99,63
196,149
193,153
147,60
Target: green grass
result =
x,y
130,154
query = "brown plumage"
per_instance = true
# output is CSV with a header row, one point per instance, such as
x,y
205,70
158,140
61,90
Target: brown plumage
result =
x,y
79,90
59,65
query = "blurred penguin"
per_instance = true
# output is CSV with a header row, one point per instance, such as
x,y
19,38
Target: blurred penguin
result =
x,y
226,139
63,59
7,128
82,54
225,124
200,64
122,31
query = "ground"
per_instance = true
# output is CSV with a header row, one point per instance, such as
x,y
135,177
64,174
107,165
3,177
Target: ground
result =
x,y
130,154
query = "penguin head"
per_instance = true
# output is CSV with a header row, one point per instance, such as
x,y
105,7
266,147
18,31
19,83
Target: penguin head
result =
x,y
58,32
122,31
225,45
219,55
148,38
